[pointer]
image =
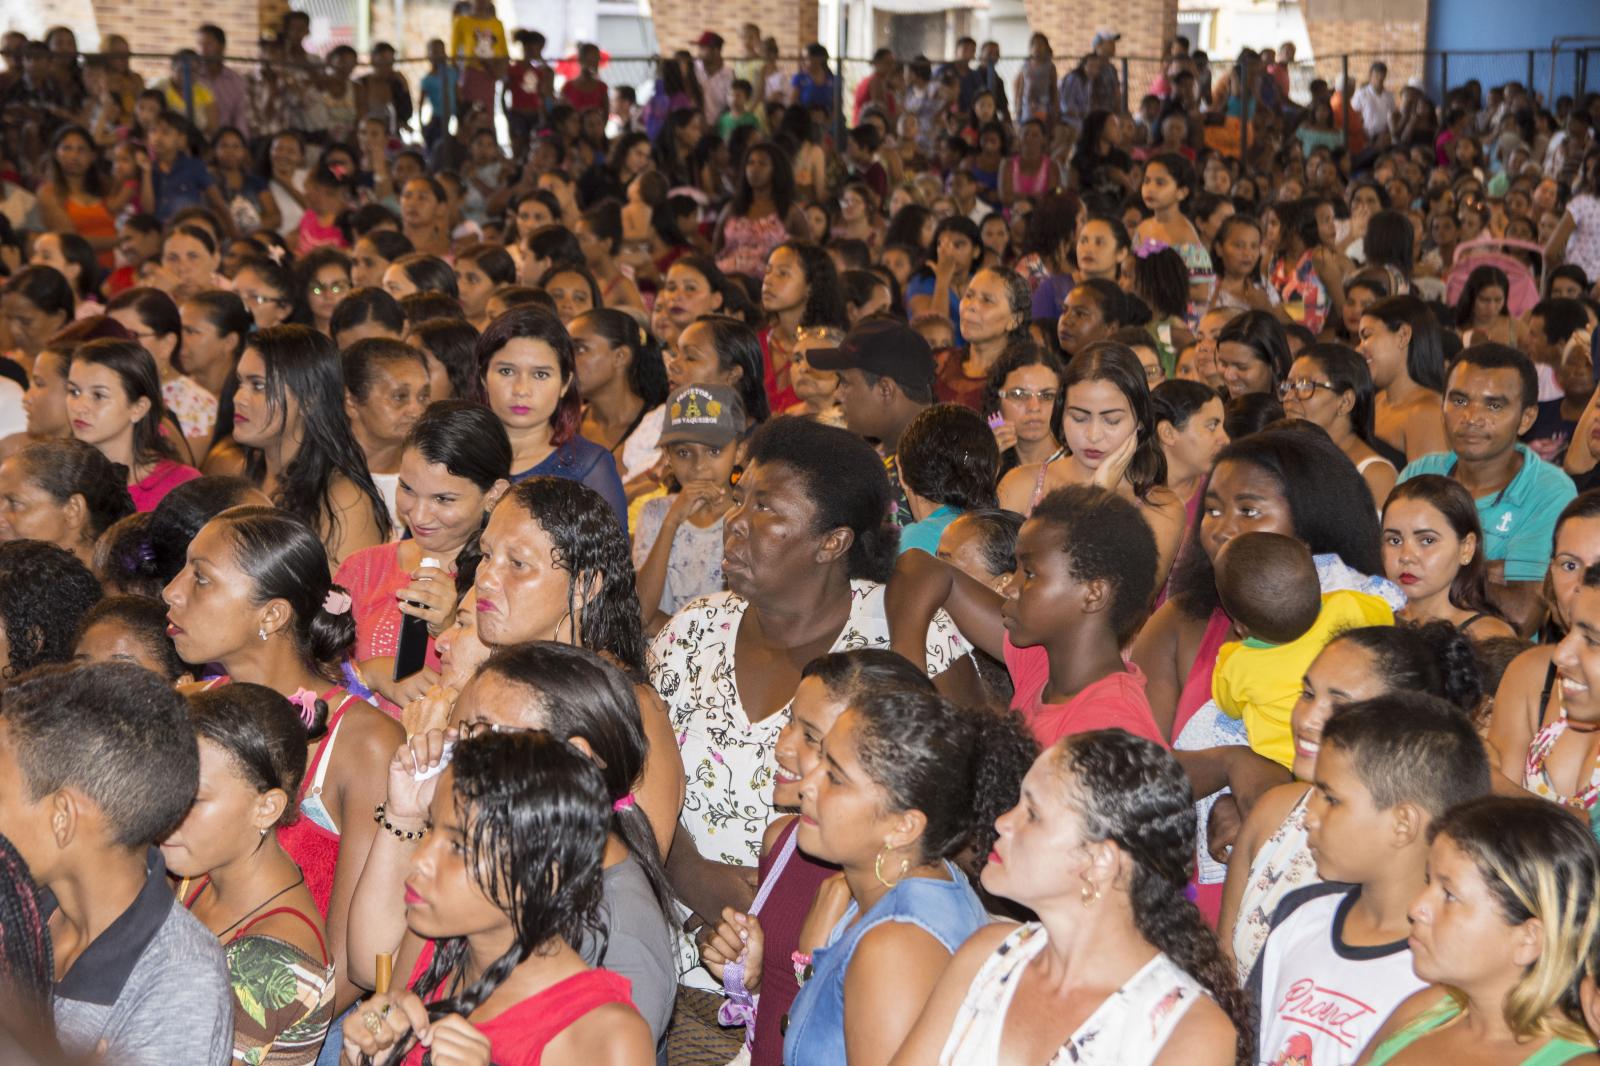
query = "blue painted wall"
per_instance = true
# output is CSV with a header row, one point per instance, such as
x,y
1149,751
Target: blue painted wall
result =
x,y
1461,26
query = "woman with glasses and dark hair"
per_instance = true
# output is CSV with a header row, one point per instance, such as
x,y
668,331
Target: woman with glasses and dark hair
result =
x,y
1329,385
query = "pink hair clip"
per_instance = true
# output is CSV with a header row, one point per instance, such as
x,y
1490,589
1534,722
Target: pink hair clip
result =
x,y
623,804
307,701
337,601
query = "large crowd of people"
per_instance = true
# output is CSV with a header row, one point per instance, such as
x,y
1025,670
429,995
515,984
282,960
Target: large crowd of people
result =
x,y
1031,580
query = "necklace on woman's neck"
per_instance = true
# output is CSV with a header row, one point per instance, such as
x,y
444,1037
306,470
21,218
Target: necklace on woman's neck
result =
x,y
184,887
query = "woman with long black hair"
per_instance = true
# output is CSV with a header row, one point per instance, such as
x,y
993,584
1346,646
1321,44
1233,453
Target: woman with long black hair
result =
x,y
289,416
763,213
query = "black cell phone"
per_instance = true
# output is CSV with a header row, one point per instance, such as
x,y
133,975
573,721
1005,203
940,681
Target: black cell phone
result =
x,y
412,653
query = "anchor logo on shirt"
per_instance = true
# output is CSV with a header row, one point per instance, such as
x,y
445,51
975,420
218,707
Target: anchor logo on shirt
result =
x,y
1504,525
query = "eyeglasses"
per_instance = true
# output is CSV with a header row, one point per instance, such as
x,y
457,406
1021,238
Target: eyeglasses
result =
x,y
1044,396
337,288
260,299
1303,388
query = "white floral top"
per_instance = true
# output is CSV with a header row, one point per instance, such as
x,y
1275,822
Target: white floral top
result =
x,y
1129,1028
193,407
727,758
1283,865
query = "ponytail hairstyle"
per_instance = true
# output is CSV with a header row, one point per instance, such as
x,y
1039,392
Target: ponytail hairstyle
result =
x,y
262,734
576,693
535,813
737,346
429,273
847,674
1116,363
1469,590
824,303
590,546
303,362
68,468
453,342
177,520
1538,862
1161,279
647,372
1425,353
1176,400
962,767
1133,793
136,369
285,560
1435,658
532,322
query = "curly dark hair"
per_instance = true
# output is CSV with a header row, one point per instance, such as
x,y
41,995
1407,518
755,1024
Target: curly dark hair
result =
x,y
142,618
26,959
534,815
962,767
586,542
1105,538
1435,658
44,593
1133,793
824,304
948,454
845,481
68,468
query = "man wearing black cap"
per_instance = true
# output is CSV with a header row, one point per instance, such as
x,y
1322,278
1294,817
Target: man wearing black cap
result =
x,y
886,375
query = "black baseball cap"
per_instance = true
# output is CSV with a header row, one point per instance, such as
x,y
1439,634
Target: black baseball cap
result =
x,y
885,347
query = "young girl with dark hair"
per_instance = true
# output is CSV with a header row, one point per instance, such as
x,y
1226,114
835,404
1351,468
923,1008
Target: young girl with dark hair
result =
x,y
1160,279
762,214
505,891
1404,349
157,324
480,269
621,379
1024,392
114,402
528,373
801,289
1237,255
254,597
303,453
1098,848
252,761
1433,549
1169,182
454,465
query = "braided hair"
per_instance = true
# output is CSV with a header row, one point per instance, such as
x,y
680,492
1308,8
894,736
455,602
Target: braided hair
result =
x,y
1133,793
26,967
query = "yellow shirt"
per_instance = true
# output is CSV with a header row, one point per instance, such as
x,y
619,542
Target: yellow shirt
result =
x,y
1260,682
478,41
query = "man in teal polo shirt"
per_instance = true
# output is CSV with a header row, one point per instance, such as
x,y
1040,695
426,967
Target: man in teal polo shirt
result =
x,y
1490,400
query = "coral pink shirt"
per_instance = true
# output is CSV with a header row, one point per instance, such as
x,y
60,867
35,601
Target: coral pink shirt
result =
x,y
162,479
1116,701
373,576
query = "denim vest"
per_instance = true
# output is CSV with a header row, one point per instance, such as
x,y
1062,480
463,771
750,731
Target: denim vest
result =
x,y
949,911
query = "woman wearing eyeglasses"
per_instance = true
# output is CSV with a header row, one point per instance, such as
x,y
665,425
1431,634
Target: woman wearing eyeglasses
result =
x,y
267,291
1329,385
1022,401
322,279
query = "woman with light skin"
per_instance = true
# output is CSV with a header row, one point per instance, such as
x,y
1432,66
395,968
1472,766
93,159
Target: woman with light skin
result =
x,y
1111,441
1433,549
1502,933
1024,391
324,278
1190,425
1102,246
372,255
995,311
253,597
687,293
114,403
152,317
1328,385
1401,343
267,292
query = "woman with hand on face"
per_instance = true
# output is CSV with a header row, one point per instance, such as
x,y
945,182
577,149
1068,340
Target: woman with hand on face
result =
x,y
505,889
1502,932
454,466
114,402
906,781
801,895
1433,549
1024,393
63,492
576,696
1119,967
528,372
254,597
936,289
288,413
1267,855
1329,385
241,884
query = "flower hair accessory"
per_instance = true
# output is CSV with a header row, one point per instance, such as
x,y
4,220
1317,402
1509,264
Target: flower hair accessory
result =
x,y
623,804
307,701
275,252
1149,246
337,601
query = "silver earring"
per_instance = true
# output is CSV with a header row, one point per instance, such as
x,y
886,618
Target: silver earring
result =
x,y
262,633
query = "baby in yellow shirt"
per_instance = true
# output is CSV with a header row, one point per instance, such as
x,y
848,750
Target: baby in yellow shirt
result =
x,y
1267,583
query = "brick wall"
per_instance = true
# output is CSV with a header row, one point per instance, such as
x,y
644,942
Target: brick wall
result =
x,y
155,26
1145,25
1366,30
679,22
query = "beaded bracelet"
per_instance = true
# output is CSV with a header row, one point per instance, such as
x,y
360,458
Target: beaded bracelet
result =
x,y
381,816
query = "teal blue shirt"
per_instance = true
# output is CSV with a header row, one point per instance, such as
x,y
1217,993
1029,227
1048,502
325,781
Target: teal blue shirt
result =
x,y
926,533
1519,521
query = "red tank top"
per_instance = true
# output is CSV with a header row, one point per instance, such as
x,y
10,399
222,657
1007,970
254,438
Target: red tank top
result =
x,y
313,848
517,1036
782,915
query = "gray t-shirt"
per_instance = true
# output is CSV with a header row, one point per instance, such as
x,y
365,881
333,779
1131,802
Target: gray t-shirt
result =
x,y
640,945
694,568
153,986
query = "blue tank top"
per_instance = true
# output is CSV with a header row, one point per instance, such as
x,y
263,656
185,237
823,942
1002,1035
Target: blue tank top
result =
x,y
948,911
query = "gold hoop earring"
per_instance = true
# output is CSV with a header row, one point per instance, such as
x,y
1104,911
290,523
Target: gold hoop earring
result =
x,y
1089,895
877,870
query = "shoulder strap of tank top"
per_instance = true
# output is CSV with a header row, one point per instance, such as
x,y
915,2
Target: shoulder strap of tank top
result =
x,y
785,853
322,945
1549,686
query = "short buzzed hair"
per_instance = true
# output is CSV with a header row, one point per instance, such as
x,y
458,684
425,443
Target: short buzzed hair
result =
x,y
1409,747
1504,357
115,732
